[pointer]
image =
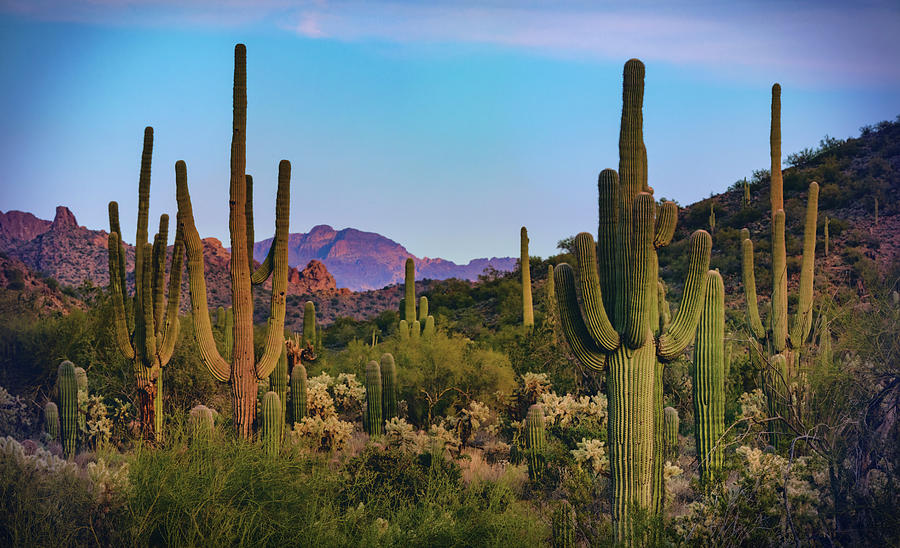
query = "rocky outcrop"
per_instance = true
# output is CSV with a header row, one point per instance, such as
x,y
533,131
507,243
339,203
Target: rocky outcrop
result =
x,y
20,226
315,277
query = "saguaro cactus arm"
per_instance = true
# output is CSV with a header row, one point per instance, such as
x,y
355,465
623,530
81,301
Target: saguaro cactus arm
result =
x,y
123,336
581,342
637,321
275,334
219,368
666,219
803,318
749,277
683,326
595,319
172,323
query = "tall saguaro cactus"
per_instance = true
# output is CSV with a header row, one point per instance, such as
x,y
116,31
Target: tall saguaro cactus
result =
x,y
620,331
775,340
525,264
244,371
709,378
147,337
537,441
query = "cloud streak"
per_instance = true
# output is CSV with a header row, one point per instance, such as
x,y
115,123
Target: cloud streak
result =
x,y
815,42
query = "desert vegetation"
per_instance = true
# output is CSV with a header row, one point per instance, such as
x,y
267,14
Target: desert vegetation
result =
x,y
566,403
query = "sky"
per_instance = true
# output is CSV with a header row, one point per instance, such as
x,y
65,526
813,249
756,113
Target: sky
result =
x,y
445,126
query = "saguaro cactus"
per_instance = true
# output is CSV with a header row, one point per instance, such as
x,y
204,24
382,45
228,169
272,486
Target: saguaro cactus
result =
x,y
563,522
537,441
525,265
746,185
148,338
68,406
51,420
671,433
374,422
296,353
776,341
410,324
388,386
273,423
243,372
309,324
712,217
615,333
81,381
278,380
709,378
202,422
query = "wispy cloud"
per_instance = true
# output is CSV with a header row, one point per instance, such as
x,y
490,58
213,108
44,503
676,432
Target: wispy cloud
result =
x,y
813,41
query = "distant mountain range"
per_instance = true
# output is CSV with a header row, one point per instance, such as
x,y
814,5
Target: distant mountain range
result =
x,y
357,260
361,260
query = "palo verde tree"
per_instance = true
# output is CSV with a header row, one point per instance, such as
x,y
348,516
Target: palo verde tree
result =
x,y
147,331
620,330
243,372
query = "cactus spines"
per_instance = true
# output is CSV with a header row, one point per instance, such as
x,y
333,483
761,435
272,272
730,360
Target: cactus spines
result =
x,y
148,336
68,406
273,423
563,523
537,441
525,265
388,386
374,422
709,378
620,330
309,324
774,339
51,420
671,433
244,371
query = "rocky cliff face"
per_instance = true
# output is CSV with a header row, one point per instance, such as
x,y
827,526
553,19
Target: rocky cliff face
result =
x,y
365,260
20,226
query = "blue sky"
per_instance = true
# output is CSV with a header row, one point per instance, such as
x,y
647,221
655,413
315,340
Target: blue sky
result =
x,y
445,127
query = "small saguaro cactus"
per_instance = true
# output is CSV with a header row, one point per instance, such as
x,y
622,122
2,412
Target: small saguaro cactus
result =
x,y
411,325
388,386
709,378
243,371
68,406
309,324
147,336
278,380
81,381
775,339
622,330
374,422
202,422
296,353
525,264
712,217
273,423
671,433
537,441
563,522
51,420
746,185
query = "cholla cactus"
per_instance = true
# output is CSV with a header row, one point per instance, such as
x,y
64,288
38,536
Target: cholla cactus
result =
x,y
537,441
147,329
621,331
